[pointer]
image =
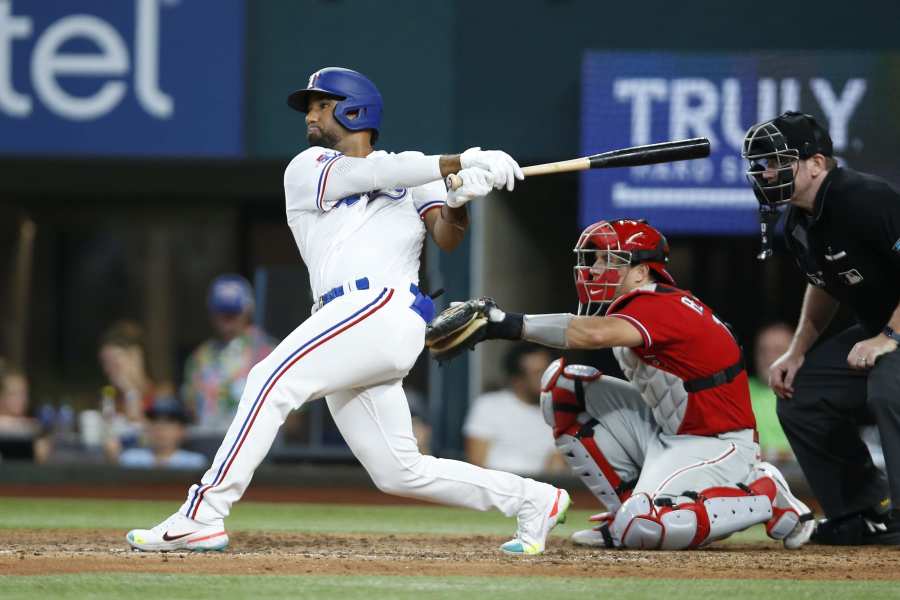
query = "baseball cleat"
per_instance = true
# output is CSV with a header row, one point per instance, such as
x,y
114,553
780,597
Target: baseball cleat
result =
x,y
859,529
531,536
179,533
597,537
792,521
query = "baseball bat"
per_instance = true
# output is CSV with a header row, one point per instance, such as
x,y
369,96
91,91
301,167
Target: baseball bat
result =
x,y
649,154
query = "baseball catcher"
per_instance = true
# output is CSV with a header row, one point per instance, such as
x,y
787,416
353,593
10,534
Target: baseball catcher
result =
x,y
671,452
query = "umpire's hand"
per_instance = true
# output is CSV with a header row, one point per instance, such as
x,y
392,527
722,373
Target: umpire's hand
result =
x,y
782,373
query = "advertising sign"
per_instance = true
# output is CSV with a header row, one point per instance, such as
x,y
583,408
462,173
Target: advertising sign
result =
x,y
640,98
123,77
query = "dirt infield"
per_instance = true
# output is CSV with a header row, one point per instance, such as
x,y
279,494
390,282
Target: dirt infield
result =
x,y
32,552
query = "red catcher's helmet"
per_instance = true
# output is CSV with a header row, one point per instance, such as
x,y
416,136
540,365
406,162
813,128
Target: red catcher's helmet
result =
x,y
619,245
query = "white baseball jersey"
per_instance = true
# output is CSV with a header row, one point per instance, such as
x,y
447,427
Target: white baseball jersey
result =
x,y
376,234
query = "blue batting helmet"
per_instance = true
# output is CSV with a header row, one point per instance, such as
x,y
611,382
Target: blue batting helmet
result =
x,y
356,94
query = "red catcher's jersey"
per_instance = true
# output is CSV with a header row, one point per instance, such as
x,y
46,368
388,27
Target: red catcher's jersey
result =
x,y
683,341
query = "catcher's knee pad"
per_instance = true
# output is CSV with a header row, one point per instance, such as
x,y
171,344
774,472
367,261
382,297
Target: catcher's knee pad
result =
x,y
562,394
562,404
714,514
641,524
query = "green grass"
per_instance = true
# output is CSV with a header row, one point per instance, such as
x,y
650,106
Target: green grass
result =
x,y
44,513
350,587
119,514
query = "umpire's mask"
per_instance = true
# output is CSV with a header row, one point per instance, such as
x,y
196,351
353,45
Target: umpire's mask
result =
x,y
772,163
773,149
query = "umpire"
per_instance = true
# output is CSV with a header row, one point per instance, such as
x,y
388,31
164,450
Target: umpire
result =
x,y
843,228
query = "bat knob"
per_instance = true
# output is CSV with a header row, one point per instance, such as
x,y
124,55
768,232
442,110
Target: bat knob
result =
x,y
453,182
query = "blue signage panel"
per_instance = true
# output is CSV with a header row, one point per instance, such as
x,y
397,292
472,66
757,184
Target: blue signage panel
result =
x,y
630,99
129,77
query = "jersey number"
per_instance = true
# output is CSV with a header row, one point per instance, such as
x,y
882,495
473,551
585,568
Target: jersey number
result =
x,y
696,307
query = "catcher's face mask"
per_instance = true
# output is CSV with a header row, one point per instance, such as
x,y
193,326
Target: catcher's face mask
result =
x,y
600,267
606,250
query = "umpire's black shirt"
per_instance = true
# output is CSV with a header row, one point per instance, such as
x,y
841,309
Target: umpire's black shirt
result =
x,y
850,245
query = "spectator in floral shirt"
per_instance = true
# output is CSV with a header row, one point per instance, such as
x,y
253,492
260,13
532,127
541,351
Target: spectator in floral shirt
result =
x,y
216,371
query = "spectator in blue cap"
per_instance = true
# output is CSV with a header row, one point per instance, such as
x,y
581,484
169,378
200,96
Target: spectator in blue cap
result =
x,y
216,371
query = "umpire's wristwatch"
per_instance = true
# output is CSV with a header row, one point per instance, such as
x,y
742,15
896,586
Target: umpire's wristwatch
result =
x,y
888,331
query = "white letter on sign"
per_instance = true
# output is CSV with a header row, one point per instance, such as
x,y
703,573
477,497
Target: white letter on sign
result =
x,y
838,110
686,120
47,63
146,69
641,92
11,102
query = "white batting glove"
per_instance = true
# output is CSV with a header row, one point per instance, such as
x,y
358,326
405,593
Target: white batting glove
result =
x,y
476,183
501,165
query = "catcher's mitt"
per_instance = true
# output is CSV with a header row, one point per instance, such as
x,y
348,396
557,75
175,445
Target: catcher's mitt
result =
x,y
458,328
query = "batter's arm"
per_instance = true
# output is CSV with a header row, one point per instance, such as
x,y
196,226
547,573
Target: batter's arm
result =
x,y
447,226
350,175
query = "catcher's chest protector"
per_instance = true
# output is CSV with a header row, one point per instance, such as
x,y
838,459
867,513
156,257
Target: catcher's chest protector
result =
x,y
662,391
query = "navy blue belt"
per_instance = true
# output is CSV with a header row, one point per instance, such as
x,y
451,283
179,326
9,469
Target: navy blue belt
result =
x,y
423,305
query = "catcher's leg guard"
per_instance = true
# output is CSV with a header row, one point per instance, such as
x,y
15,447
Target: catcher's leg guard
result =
x,y
715,513
563,407
792,521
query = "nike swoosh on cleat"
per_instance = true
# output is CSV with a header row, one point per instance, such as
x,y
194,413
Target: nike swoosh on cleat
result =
x,y
170,538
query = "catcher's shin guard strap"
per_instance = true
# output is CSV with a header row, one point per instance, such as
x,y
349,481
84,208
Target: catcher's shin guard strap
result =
x,y
547,330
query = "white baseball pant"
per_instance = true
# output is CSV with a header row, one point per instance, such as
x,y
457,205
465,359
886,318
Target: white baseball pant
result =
x,y
354,351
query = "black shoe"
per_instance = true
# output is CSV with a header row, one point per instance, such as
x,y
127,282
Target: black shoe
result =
x,y
858,530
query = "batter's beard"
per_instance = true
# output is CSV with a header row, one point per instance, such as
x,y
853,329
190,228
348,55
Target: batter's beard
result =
x,y
322,138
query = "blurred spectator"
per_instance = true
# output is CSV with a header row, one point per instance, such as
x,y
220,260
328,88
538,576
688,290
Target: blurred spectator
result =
x,y
163,436
216,371
121,357
505,429
21,435
14,402
771,342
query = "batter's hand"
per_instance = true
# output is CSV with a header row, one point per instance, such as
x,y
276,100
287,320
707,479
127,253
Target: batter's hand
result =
x,y
503,168
865,353
782,373
477,182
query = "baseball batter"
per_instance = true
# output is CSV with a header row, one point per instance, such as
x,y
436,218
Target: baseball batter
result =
x,y
672,453
359,217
